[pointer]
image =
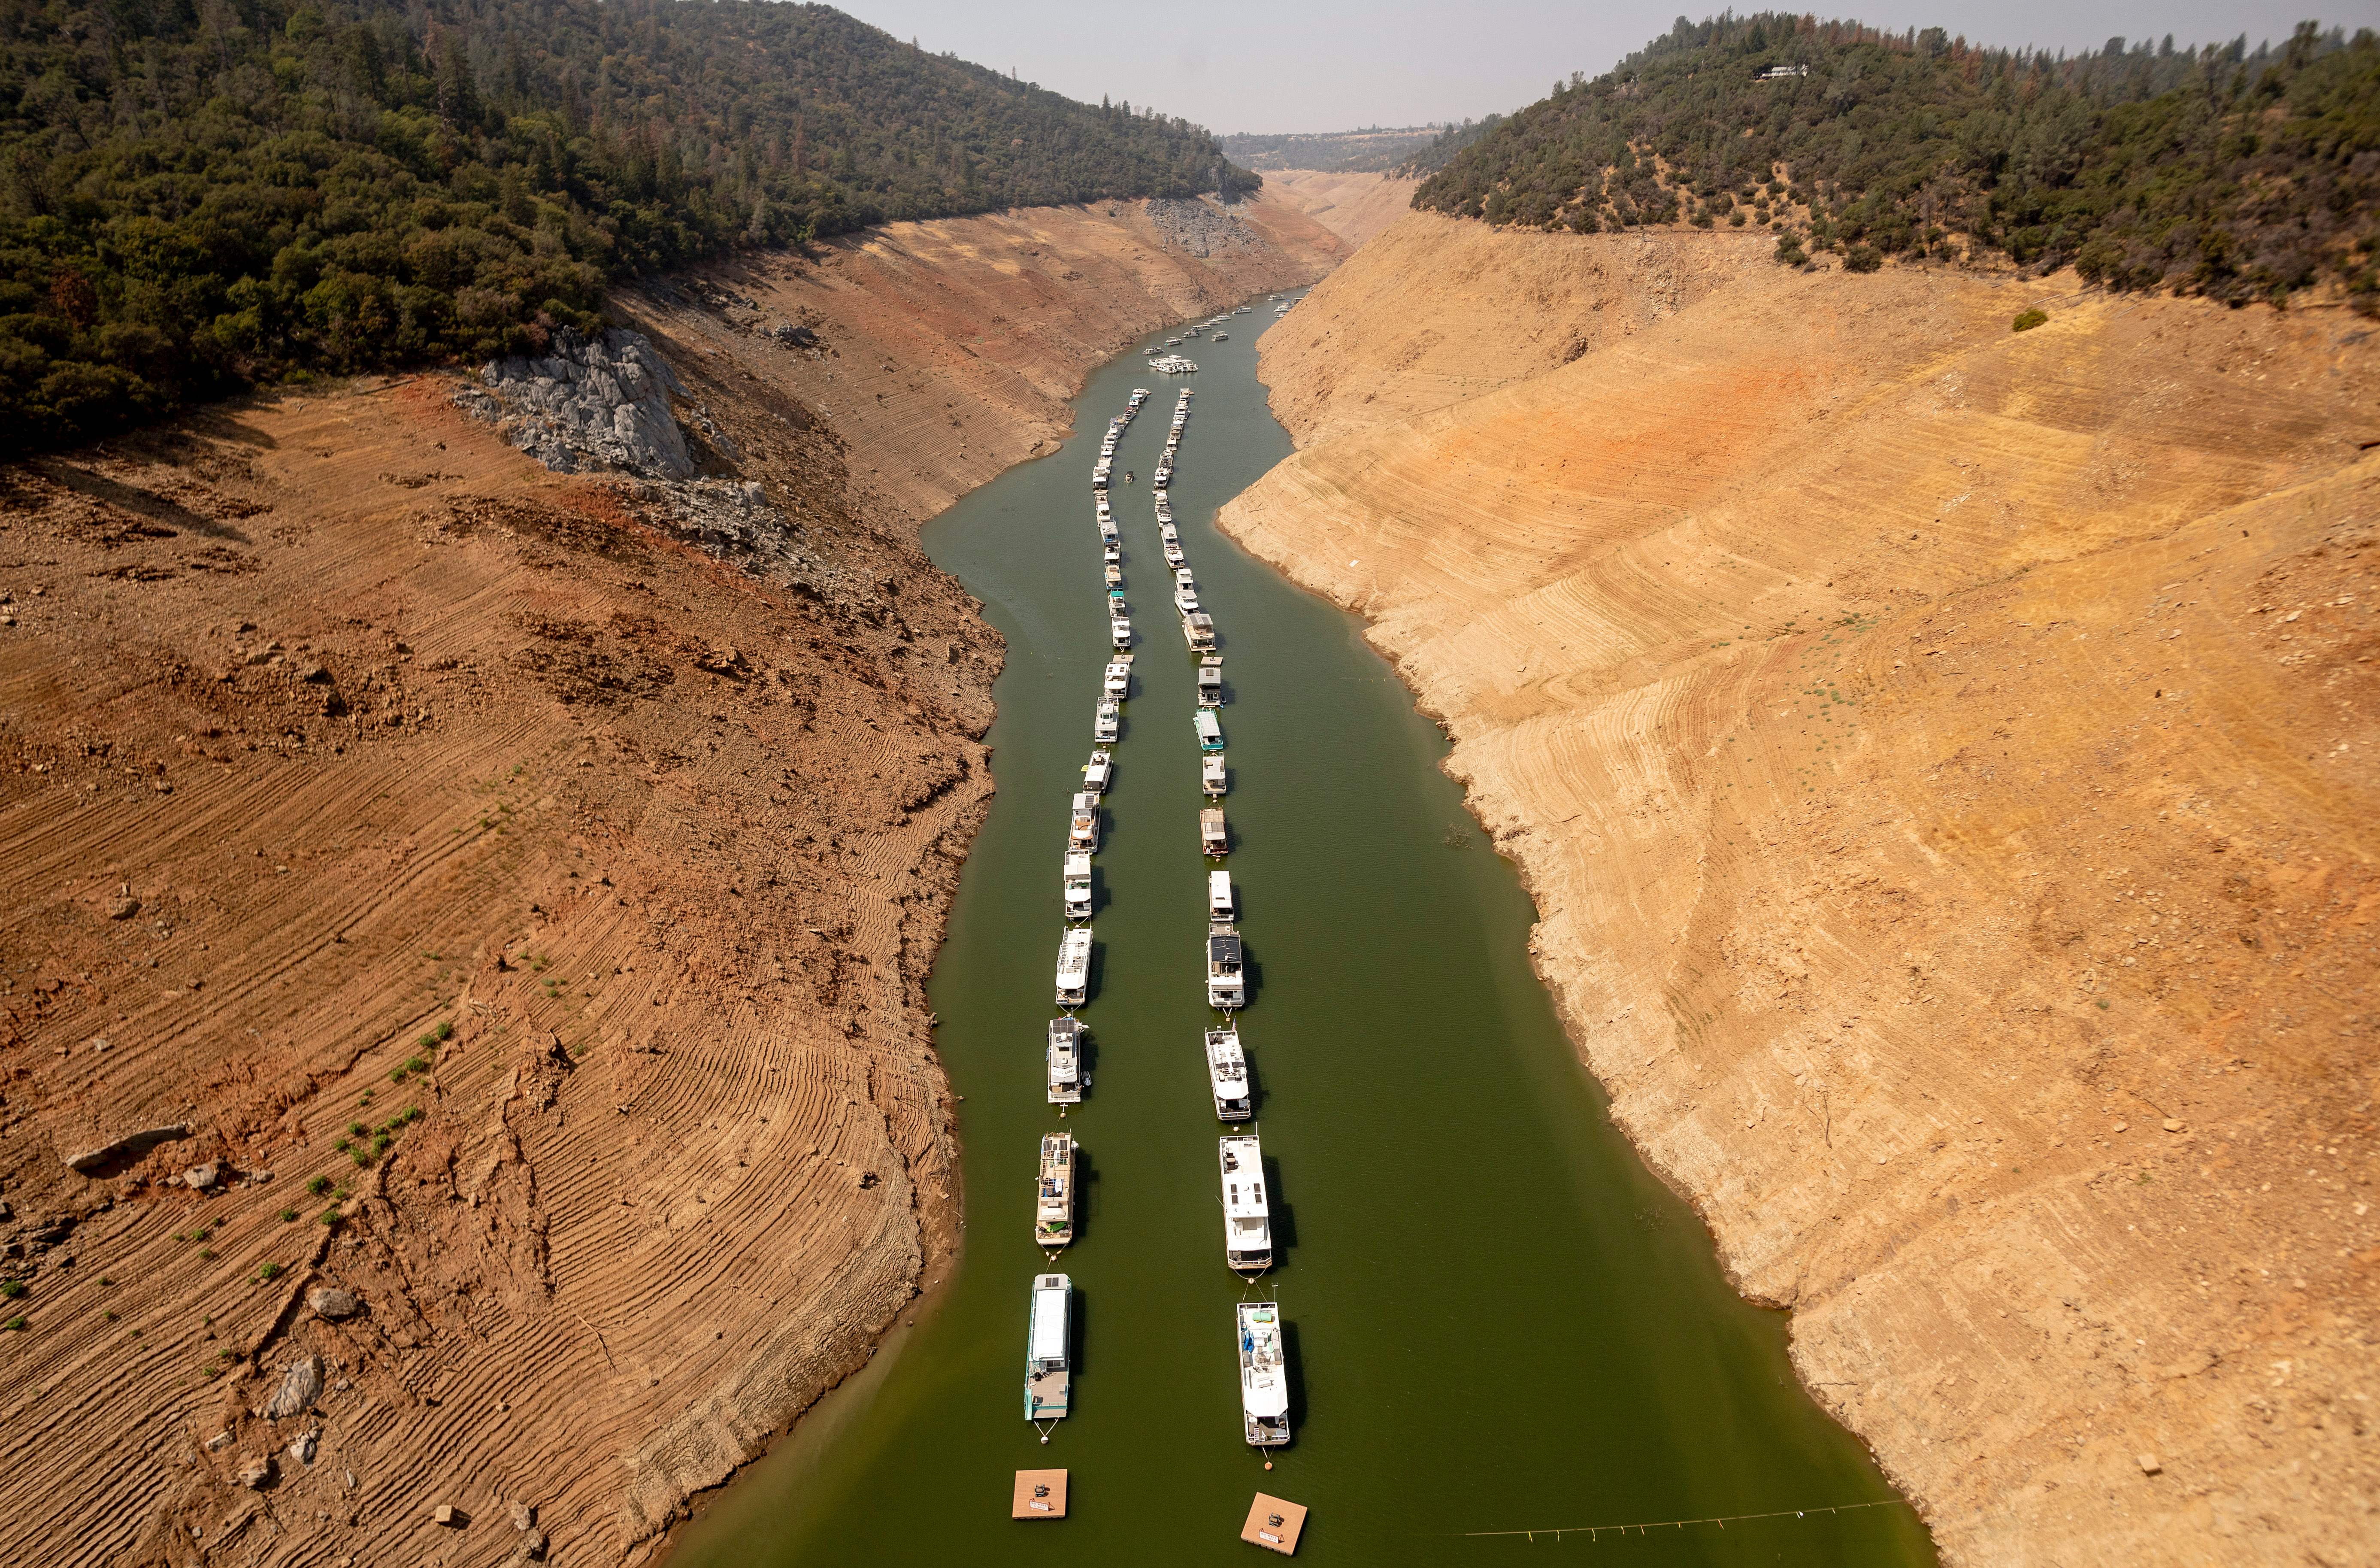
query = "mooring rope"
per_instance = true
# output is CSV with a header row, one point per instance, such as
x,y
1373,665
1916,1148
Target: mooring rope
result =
x,y
1721,1520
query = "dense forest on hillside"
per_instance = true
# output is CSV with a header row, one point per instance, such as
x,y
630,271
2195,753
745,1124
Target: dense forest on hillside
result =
x,y
1372,149
2236,173
203,193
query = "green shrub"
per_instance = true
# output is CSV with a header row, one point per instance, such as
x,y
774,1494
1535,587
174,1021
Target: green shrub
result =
x,y
319,1186
15,1325
270,1273
12,1289
1863,259
288,1216
2030,320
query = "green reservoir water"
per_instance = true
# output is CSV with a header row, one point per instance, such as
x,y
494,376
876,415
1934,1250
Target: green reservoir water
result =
x,y
1499,1319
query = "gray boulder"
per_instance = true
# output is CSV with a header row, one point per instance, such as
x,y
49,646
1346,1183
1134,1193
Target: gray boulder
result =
x,y
302,1384
334,1302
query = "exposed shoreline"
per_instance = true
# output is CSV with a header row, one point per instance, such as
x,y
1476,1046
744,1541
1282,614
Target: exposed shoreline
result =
x,y
1564,492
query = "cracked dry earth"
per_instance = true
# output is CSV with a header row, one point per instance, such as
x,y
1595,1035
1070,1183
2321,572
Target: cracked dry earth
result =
x,y
1947,762
523,914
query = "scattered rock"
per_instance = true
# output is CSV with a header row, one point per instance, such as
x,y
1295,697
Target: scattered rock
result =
x,y
302,1451
218,1442
2173,1123
334,1302
793,335
131,1145
866,1179
523,1515
446,1514
257,1473
124,907
301,1383
532,1546
199,1178
2149,1465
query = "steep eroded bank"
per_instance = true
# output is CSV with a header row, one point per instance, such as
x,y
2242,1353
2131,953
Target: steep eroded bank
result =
x,y
1943,760
352,764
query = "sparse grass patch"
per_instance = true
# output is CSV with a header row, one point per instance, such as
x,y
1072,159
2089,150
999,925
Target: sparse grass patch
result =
x,y
330,1217
319,1186
270,1273
2029,320
12,1289
17,1324
288,1216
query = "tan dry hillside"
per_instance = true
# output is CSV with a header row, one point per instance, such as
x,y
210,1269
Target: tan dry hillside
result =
x,y
1945,761
1352,206
329,724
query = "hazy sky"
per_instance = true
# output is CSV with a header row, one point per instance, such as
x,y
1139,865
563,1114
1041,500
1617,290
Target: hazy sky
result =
x,y
1332,65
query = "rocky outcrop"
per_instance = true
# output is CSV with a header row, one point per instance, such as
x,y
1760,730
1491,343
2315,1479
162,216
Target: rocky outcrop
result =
x,y
125,1149
1201,227
589,404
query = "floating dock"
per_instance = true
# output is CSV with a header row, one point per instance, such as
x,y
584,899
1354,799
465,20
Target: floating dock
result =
x,y
1041,1494
1273,1524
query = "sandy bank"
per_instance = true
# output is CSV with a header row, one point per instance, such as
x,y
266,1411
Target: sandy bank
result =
x,y
1944,761
351,764
1352,206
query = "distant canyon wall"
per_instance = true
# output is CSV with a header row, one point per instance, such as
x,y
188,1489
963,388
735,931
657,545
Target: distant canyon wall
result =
x,y
1947,766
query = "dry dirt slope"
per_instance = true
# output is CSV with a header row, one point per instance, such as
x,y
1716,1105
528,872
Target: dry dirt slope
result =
x,y
350,763
1945,761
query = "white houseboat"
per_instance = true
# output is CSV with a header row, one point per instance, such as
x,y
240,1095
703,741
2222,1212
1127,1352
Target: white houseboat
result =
x,y
1074,967
1099,770
1114,575
1213,775
1108,723
1210,730
1247,1219
1264,1375
1227,981
1219,896
1066,1061
1120,629
1083,826
1053,1197
1227,1073
1047,1377
1211,681
1198,631
1214,837
1078,886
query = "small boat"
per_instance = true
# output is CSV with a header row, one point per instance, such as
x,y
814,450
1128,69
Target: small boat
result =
x,y
1247,1219
1066,1061
1053,1196
1048,1378
1082,828
1214,836
1109,722
1210,730
1077,885
1222,338
1213,773
1164,476
1074,967
1211,681
1097,771
1227,981
1227,1073
1114,575
1264,1375
1219,892
1118,682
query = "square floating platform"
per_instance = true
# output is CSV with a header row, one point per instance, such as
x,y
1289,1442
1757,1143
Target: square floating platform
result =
x,y
1274,1525
1041,1494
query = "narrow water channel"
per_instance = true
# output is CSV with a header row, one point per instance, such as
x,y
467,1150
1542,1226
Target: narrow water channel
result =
x,y
1500,1319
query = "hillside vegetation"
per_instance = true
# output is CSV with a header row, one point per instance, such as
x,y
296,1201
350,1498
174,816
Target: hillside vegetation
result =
x,y
201,196
2233,174
1372,149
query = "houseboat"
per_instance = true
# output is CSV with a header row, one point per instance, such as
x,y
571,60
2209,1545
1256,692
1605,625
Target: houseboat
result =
x,y
1053,1197
1074,967
1065,1063
1185,600
1198,631
1083,827
1173,556
1219,896
1108,723
1227,1074
1214,838
1099,770
1211,728
1211,681
1118,681
1114,575
1264,1375
1213,775
1247,1219
1077,885
1047,1377
1111,552
1120,629
1227,981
